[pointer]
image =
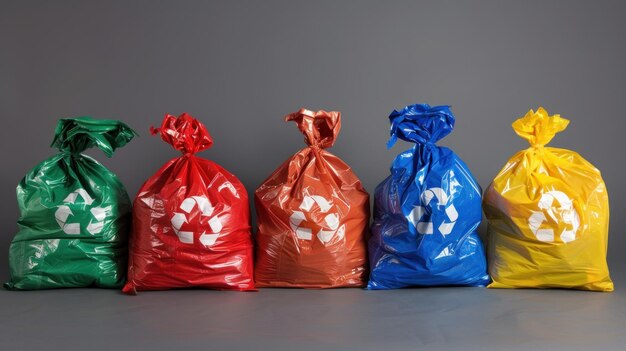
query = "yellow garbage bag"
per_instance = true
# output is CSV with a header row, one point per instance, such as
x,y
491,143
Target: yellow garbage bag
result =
x,y
548,215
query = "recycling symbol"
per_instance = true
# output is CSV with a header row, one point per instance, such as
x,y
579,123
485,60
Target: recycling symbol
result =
x,y
206,210
565,211
421,216
64,211
304,227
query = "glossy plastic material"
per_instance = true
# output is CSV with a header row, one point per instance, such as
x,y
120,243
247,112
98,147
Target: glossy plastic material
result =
x,y
75,213
548,213
313,214
427,211
191,220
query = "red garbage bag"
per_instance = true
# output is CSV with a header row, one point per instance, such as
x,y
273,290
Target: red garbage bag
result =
x,y
313,214
191,220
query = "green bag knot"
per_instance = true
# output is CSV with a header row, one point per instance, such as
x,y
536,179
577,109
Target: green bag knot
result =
x,y
75,135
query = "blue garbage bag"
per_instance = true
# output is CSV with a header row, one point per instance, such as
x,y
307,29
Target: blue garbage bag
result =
x,y
427,211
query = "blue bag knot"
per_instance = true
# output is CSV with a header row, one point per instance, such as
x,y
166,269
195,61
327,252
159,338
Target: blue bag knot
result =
x,y
421,123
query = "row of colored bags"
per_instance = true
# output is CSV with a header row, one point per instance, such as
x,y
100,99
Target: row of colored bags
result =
x,y
547,212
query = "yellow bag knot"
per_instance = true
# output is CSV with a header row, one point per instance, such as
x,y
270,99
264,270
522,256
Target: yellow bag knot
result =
x,y
539,127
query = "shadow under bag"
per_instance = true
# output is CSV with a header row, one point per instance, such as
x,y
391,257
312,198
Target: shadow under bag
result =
x,y
75,213
191,220
427,211
313,214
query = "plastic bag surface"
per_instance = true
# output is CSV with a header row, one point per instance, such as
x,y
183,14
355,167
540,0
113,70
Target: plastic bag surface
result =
x,y
75,213
191,220
427,211
313,214
548,214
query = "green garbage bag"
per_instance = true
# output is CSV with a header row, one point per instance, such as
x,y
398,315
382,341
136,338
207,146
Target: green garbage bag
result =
x,y
75,213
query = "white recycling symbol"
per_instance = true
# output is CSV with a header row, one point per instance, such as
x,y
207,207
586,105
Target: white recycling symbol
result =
x,y
423,224
206,209
565,211
63,212
299,223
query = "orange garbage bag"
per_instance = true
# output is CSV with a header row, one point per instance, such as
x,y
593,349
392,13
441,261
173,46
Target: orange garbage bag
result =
x,y
313,214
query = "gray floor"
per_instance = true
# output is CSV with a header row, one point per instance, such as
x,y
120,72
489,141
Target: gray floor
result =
x,y
344,319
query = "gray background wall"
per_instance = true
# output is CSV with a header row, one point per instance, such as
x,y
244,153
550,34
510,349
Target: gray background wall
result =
x,y
240,66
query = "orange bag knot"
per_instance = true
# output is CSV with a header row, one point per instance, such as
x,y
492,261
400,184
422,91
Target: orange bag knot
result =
x,y
319,128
